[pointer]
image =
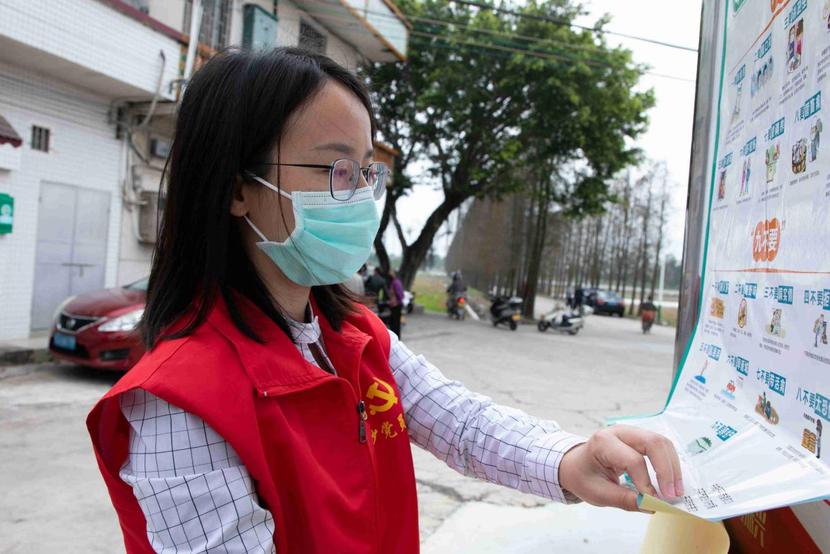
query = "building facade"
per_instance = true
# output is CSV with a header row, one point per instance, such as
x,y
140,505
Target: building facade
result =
x,y
88,92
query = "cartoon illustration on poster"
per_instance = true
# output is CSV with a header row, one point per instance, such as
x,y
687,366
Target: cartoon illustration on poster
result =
x,y
764,407
774,327
795,45
742,313
699,446
746,170
815,135
820,331
800,156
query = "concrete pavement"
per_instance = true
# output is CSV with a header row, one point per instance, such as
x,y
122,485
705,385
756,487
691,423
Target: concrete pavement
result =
x,y
54,499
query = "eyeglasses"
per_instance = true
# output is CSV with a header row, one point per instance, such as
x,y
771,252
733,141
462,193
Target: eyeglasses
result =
x,y
344,177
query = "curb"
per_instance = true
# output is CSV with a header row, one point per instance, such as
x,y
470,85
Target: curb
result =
x,y
20,356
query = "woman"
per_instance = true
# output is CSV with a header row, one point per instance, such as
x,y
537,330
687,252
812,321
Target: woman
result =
x,y
272,412
396,293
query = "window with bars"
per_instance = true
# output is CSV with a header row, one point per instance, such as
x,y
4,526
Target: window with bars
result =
x,y
216,22
40,138
311,39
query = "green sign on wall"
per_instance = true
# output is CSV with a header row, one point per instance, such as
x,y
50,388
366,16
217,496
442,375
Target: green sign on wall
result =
x,y
6,213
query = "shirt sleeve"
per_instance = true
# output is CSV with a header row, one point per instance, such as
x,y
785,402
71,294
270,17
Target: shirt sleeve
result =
x,y
475,436
193,489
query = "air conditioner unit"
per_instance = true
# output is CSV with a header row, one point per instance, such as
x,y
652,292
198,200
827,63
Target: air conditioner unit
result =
x,y
259,28
149,211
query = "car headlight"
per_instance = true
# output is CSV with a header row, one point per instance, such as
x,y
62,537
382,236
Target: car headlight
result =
x,y
60,308
125,322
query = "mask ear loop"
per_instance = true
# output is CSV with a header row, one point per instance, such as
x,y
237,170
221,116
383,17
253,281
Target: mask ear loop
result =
x,y
270,186
256,229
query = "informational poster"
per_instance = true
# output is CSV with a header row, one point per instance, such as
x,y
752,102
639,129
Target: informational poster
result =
x,y
750,410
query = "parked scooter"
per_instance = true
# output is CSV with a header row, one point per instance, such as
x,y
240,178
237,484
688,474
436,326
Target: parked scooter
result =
x,y
506,310
457,306
562,320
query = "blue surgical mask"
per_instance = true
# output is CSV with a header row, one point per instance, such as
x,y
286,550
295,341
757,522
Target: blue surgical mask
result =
x,y
331,238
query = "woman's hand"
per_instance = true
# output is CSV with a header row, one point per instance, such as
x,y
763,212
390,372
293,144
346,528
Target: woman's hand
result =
x,y
591,470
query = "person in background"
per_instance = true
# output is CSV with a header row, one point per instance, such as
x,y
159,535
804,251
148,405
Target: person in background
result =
x,y
457,286
376,286
395,302
579,298
356,283
648,313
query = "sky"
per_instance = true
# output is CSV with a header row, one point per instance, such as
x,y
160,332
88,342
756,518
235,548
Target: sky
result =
x,y
669,135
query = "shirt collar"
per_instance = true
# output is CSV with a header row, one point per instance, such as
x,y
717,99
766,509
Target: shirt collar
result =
x,y
302,332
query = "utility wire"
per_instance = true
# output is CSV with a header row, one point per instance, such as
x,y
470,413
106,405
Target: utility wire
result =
x,y
506,46
556,21
502,50
571,24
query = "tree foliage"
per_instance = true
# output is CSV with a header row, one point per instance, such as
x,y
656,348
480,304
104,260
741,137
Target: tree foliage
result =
x,y
487,105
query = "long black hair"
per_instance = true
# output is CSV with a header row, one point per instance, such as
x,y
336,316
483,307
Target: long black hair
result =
x,y
231,117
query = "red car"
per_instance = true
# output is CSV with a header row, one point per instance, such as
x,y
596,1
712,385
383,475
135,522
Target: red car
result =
x,y
97,329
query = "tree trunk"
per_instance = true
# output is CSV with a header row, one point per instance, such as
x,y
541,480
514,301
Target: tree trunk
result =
x,y
659,248
535,255
644,269
413,254
380,248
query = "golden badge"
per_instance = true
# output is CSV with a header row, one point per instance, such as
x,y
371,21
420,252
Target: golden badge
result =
x,y
382,391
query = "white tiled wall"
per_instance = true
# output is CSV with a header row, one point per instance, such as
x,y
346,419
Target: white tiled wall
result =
x,y
84,153
93,36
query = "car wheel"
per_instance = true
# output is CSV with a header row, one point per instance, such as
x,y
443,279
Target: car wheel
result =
x,y
542,326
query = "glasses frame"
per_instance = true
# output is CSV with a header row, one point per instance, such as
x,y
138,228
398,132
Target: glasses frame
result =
x,y
378,194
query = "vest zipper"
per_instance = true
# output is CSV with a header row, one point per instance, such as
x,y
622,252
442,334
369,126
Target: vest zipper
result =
x,y
361,419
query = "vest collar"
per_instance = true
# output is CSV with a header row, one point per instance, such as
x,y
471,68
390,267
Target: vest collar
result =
x,y
276,366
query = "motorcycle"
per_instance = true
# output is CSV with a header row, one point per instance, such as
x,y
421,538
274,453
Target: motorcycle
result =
x,y
647,319
506,310
457,306
562,320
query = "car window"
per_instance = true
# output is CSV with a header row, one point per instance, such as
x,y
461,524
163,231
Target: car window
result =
x,y
141,284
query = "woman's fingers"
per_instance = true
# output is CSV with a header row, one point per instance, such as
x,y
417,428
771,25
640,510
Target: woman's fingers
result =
x,y
623,456
609,493
660,452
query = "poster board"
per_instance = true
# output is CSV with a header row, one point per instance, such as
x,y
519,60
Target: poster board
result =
x,y
749,408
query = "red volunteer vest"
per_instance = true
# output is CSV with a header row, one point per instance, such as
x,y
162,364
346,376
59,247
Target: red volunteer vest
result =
x,y
329,455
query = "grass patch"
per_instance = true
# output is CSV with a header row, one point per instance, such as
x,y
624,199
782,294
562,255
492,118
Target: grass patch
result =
x,y
430,292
